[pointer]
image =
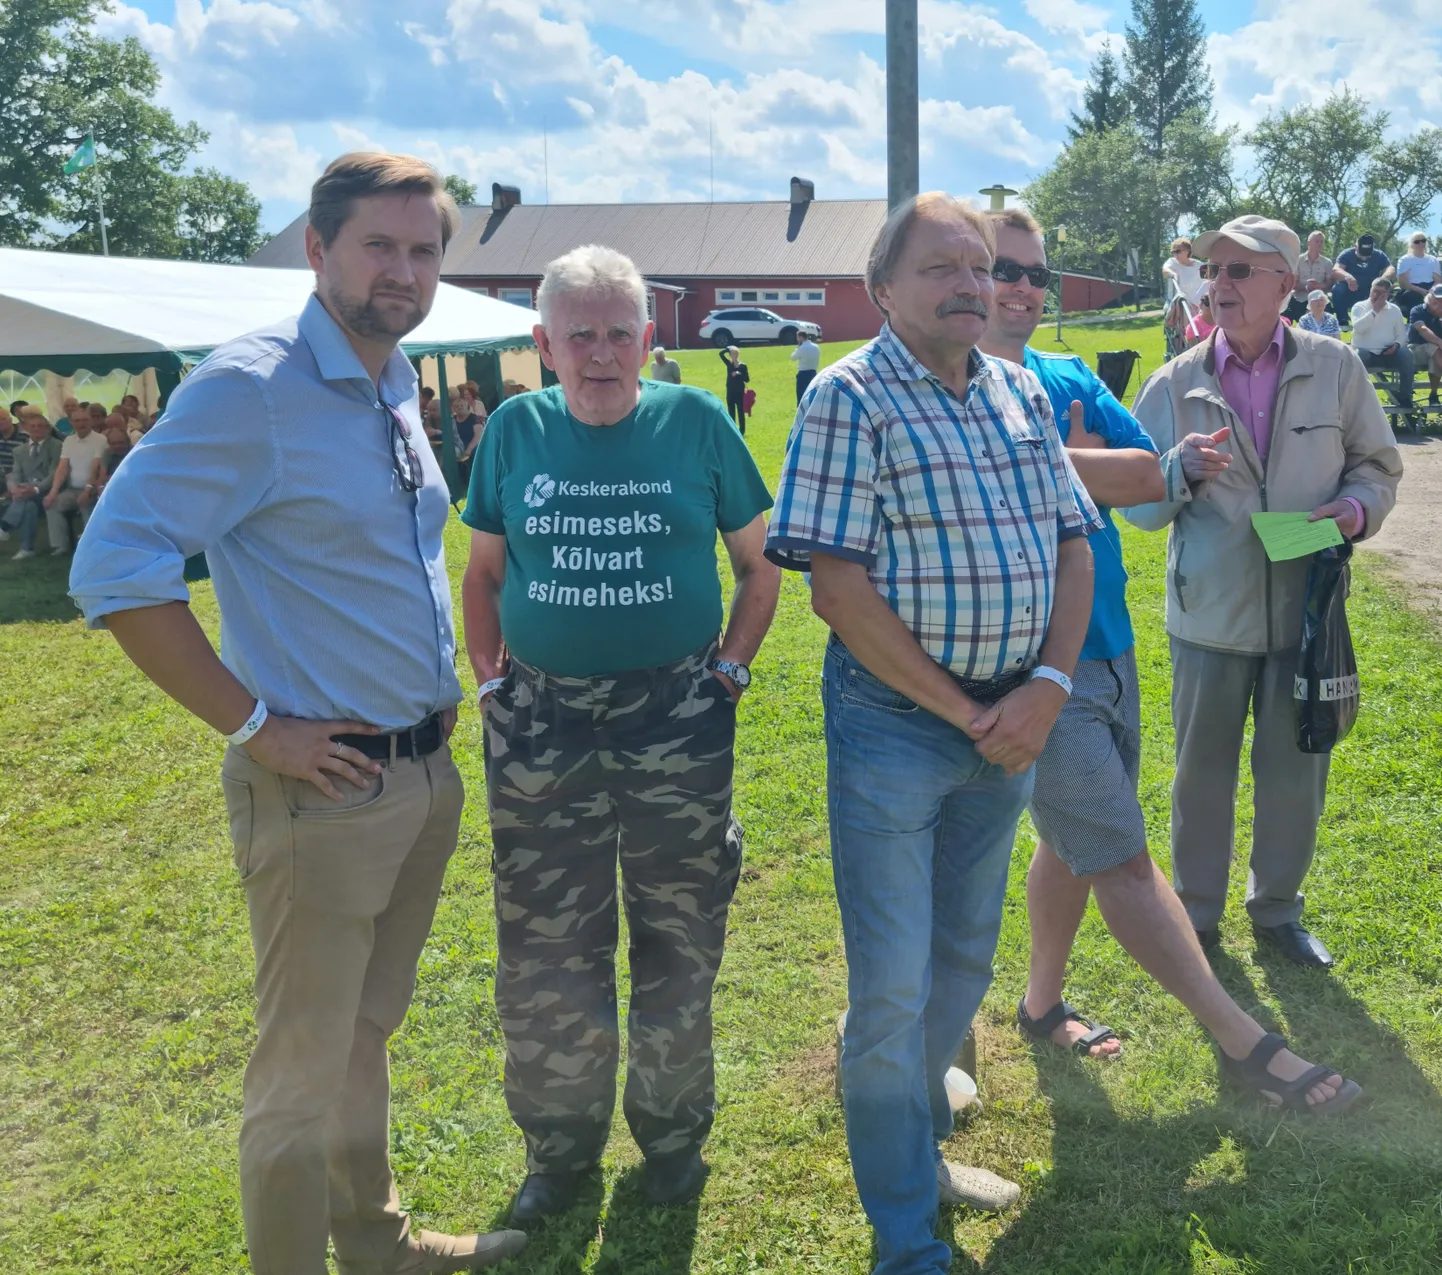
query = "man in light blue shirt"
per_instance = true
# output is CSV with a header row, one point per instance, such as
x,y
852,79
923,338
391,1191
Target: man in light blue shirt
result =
x,y
1091,836
295,459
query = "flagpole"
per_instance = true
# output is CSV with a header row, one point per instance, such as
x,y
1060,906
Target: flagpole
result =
x,y
100,204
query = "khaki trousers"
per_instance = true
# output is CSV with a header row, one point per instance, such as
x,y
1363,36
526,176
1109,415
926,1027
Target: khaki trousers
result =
x,y
341,898
1212,694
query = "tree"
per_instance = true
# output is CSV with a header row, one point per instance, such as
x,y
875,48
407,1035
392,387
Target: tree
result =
x,y
462,191
1407,175
60,81
1164,66
1104,103
219,218
1313,163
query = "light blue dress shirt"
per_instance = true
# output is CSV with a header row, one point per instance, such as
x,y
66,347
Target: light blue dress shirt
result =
x,y
274,458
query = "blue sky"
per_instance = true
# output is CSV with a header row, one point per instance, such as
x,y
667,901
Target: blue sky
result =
x,y
648,103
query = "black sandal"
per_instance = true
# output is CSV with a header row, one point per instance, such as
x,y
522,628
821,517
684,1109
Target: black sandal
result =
x,y
1042,1028
1251,1073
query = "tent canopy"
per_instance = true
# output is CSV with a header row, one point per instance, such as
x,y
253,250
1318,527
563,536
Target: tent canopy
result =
x,y
61,312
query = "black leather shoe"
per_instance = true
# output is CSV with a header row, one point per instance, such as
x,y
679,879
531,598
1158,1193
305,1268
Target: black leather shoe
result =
x,y
1210,940
544,1194
674,1179
1296,944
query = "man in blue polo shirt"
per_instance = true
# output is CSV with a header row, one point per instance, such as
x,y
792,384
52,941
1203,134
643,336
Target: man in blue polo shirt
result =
x,y
1357,269
1090,831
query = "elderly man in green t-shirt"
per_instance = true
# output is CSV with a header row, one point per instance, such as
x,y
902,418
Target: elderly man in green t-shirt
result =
x,y
594,623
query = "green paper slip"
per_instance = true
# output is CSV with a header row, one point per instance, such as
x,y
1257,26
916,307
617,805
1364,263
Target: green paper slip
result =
x,y
1287,536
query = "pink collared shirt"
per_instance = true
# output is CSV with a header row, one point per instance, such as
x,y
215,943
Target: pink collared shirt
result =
x,y
1251,391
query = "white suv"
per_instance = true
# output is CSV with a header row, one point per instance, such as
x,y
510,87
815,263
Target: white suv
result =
x,y
738,325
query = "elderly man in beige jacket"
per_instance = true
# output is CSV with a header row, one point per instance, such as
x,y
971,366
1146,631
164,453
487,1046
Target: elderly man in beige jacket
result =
x,y
1260,416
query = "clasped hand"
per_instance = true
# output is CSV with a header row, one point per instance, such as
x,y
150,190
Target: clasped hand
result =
x,y
1013,731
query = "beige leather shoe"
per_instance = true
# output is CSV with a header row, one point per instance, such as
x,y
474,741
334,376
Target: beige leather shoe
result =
x,y
976,1188
431,1253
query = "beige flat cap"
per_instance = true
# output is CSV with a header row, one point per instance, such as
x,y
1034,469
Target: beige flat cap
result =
x,y
1260,234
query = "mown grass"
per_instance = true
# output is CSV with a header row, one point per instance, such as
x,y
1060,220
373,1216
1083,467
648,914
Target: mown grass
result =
x,y
125,1008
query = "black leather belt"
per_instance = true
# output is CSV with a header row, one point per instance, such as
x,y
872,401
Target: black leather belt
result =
x,y
988,692
415,741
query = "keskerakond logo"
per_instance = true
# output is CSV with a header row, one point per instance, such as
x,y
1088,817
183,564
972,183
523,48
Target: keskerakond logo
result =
x,y
539,490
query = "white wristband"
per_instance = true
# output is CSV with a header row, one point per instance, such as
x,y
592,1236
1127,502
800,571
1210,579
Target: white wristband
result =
x,y
1053,675
252,724
486,688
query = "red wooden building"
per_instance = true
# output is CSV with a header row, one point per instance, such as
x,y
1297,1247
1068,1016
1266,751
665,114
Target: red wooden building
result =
x,y
803,258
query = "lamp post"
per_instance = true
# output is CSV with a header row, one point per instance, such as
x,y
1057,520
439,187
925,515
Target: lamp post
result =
x,y
903,145
1060,275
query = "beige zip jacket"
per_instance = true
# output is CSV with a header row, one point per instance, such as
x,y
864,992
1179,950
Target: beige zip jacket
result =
x,y
1330,439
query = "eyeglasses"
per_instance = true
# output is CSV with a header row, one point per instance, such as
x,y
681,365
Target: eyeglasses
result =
x,y
1237,270
1011,272
403,456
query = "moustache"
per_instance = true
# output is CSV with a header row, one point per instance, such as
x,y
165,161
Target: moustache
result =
x,y
410,293
962,305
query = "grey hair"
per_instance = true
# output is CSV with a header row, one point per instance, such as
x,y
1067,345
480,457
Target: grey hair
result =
x,y
931,205
659,349
591,270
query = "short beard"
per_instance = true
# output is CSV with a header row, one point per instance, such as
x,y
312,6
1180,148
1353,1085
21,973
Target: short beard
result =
x,y
366,319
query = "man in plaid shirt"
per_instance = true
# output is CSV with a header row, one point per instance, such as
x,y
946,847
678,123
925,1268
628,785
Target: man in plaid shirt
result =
x,y
927,490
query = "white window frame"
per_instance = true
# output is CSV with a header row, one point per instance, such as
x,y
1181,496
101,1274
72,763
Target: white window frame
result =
x,y
737,297
511,295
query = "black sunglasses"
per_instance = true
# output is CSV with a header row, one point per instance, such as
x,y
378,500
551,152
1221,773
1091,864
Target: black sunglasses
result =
x,y
403,456
1237,270
1011,272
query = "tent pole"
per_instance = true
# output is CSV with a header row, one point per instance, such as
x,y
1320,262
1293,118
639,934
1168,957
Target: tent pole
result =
x,y
448,432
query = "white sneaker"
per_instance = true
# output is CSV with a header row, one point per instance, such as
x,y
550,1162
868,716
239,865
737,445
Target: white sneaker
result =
x,y
4,535
25,553
976,1188
59,553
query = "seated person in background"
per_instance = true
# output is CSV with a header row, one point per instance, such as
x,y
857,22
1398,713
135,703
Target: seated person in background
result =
x,y
1202,323
150,421
663,368
10,439
117,447
1417,272
470,418
99,414
431,419
1357,269
1424,338
1379,337
129,407
32,476
1317,319
428,396
78,455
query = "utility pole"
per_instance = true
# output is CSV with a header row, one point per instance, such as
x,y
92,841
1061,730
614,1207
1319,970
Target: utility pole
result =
x,y
903,143
1060,275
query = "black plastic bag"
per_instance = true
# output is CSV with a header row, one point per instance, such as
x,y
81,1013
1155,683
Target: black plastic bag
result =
x,y
1325,689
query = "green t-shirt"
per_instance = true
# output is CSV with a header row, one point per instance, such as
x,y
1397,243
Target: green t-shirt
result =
x,y
611,530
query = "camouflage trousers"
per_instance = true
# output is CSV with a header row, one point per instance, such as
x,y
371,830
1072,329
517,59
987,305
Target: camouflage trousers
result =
x,y
579,772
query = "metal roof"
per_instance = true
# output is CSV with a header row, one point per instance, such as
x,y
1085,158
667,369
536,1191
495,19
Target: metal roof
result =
x,y
814,240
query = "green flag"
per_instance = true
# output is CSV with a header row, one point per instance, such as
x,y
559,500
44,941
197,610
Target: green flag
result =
x,y
84,156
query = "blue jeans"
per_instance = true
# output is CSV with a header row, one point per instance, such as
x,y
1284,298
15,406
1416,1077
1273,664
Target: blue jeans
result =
x,y
24,514
921,836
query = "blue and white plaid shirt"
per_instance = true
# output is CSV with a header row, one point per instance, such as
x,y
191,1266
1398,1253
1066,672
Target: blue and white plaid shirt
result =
x,y
955,506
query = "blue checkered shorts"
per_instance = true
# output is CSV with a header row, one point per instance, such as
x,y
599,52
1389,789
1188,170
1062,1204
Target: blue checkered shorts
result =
x,y
1084,804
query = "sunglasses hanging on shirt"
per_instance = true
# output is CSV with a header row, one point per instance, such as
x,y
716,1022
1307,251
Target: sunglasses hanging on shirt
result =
x,y
403,456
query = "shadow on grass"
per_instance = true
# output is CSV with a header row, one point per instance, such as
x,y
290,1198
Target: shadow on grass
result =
x,y
1236,1186
34,591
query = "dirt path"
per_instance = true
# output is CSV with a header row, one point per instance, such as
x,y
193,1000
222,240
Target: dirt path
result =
x,y
1410,542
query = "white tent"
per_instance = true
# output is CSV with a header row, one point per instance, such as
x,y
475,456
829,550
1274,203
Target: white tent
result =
x,y
63,311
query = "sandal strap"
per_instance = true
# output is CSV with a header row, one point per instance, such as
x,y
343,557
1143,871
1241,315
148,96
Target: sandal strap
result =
x,y
1254,1065
1042,1027
1099,1033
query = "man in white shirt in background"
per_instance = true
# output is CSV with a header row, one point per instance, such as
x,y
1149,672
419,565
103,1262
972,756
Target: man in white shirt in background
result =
x,y
807,357
1417,272
1379,336
78,454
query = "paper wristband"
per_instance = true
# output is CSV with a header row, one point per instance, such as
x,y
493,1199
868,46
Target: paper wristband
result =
x,y
252,724
486,688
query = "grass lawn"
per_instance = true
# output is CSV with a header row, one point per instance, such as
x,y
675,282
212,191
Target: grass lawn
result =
x,y
125,1012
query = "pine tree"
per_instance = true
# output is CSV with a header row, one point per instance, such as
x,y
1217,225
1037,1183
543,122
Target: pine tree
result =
x,y
1104,104
1164,66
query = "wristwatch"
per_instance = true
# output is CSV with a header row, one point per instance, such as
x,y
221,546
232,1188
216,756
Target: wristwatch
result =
x,y
1053,675
738,673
